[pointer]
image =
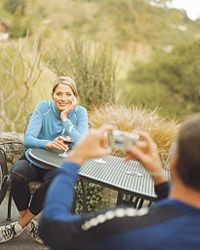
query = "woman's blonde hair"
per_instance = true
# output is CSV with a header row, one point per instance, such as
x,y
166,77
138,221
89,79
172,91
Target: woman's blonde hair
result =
x,y
66,80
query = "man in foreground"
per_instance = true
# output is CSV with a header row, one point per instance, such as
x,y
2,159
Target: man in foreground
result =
x,y
172,223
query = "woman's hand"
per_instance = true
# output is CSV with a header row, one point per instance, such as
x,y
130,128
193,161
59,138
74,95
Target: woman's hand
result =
x,y
68,109
57,143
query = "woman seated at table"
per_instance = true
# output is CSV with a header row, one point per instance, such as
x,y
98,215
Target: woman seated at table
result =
x,y
50,123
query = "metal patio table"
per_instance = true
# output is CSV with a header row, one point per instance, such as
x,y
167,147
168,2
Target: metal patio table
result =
x,y
126,177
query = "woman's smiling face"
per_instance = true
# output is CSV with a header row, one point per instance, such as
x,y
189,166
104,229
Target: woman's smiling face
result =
x,y
63,96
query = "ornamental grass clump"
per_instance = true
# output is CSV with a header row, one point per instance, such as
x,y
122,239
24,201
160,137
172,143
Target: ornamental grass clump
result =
x,y
162,130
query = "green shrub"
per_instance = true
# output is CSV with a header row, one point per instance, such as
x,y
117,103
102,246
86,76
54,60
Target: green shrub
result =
x,y
92,67
161,129
176,74
94,198
12,5
18,27
19,74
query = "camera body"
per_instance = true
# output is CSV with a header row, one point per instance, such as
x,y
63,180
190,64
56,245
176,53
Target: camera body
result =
x,y
122,140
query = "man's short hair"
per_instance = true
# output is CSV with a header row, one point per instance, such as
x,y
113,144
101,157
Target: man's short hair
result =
x,y
188,142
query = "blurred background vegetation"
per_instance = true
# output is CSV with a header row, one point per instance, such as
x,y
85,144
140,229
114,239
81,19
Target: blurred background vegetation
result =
x,y
135,53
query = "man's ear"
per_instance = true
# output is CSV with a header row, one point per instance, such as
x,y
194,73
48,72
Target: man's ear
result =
x,y
173,164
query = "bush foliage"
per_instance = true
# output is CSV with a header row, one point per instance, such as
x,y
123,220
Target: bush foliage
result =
x,y
177,73
161,129
18,76
94,198
92,67
12,5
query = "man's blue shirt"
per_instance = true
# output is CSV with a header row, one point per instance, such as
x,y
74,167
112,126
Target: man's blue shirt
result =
x,y
170,224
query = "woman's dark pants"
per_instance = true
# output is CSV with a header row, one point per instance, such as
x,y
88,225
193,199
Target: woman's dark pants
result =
x,y
22,173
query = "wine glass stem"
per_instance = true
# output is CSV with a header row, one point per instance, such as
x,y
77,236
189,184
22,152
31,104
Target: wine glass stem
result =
x,y
64,154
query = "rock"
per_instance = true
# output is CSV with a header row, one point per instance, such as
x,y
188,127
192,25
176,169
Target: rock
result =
x,y
12,143
11,136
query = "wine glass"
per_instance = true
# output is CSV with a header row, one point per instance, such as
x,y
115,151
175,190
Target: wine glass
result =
x,y
67,140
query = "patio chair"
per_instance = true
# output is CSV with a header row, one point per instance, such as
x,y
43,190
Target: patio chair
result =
x,y
4,175
5,179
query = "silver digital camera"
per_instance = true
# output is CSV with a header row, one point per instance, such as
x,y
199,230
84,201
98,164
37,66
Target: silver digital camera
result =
x,y
122,140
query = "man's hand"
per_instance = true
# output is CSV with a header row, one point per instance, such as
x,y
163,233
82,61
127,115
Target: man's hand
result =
x,y
57,143
146,152
94,144
68,109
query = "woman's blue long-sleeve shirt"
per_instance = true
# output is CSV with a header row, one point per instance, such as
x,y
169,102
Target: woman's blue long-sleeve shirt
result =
x,y
45,125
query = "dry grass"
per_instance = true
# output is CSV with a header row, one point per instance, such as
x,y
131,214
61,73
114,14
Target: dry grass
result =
x,y
162,130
